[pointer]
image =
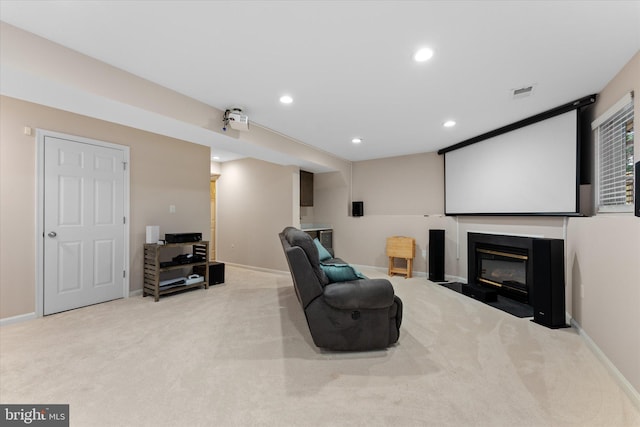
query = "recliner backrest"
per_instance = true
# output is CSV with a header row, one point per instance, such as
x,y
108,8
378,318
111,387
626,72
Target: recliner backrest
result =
x,y
306,282
301,239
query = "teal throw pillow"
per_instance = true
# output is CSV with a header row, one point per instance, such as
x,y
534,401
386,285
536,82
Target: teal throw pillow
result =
x,y
340,272
322,251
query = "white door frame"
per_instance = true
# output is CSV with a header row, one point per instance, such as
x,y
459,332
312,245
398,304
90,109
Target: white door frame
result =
x,y
40,136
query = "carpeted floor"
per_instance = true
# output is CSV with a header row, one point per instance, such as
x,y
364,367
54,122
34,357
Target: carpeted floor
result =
x,y
240,354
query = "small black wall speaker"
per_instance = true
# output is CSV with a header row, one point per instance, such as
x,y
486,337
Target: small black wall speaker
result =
x,y
548,282
436,255
357,208
636,195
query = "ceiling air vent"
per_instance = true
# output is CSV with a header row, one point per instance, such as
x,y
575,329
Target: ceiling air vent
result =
x,y
522,92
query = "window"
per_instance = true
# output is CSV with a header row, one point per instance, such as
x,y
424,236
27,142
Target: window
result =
x,y
615,157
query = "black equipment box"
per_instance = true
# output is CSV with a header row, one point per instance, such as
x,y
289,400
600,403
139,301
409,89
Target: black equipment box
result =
x,y
182,237
216,272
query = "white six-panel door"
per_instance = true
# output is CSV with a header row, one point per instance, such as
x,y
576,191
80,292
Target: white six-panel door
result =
x,y
84,230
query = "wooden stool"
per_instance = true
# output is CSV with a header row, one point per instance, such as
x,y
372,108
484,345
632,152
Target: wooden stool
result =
x,y
401,247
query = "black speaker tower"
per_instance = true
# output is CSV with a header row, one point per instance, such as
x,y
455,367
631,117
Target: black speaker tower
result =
x,y
548,282
436,255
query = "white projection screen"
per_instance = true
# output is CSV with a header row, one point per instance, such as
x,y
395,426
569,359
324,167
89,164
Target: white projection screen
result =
x,y
532,170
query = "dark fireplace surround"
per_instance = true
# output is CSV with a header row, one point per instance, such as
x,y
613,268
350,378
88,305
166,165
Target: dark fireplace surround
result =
x,y
503,263
526,269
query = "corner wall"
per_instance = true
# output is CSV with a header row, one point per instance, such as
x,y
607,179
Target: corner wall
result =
x,y
256,201
602,260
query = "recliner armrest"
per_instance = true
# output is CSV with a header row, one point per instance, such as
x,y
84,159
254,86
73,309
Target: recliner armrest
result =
x,y
359,294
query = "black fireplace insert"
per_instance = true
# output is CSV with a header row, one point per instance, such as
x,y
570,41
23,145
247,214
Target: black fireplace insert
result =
x,y
503,267
503,263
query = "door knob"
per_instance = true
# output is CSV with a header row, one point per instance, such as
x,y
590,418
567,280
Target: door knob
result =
x,y
52,234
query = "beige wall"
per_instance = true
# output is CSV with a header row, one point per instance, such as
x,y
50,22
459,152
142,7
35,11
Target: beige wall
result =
x,y
403,196
603,268
256,200
404,185
604,272
163,172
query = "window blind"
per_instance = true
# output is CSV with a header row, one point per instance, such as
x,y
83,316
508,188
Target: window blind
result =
x,y
615,136
614,109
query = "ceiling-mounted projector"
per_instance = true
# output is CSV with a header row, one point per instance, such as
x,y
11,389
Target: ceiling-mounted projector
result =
x,y
234,119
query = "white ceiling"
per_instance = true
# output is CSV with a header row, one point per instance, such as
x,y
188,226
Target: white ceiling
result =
x,y
348,64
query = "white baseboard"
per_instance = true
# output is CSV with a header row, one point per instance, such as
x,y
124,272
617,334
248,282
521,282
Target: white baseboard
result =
x,y
370,267
136,293
251,267
622,381
385,270
17,319
414,273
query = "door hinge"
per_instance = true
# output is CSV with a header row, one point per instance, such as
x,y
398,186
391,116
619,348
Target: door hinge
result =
x,y
124,219
124,274
124,166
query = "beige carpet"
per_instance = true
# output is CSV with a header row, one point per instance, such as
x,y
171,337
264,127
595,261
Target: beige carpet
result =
x,y
240,354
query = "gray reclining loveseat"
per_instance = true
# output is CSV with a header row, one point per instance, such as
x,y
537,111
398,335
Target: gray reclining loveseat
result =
x,y
356,314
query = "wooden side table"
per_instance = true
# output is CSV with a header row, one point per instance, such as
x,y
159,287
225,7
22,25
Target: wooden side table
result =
x,y
401,247
153,268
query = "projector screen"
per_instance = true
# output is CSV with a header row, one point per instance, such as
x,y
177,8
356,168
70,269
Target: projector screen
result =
x,y
532,170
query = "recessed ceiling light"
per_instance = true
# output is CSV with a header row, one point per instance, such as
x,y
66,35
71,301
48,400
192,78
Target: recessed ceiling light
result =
x,y
216,157
449,124
423,54
356,140
286,99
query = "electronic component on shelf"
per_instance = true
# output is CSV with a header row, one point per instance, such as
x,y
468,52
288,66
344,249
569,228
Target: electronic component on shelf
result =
x,y
171,283
182,237
194,278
